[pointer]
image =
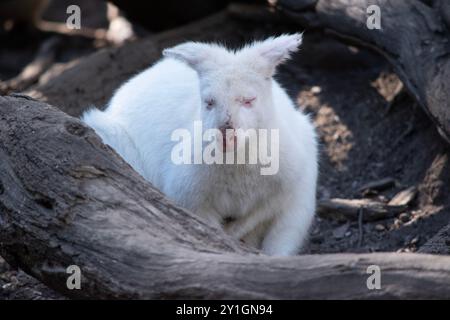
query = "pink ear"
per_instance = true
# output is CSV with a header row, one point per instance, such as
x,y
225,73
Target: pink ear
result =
x,y
265,55
200,56
278,49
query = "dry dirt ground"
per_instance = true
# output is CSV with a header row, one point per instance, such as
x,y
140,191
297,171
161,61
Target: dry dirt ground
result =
x,y
364,138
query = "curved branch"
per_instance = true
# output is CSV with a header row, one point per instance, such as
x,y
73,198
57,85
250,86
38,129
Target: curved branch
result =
x,y
67,199
413,37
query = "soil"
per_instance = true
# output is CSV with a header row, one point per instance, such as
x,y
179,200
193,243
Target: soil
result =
x,y
367,133
365,138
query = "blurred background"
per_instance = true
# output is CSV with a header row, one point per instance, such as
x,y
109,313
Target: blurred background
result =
x,y
377,144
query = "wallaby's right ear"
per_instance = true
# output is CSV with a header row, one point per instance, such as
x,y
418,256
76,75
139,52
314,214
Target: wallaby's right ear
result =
x,y
268,54
200,56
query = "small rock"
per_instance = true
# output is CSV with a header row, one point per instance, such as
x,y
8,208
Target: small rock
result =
x,y
315,231
398,223
6,286
348,234
415,240
404,217
339,232
316,89
379,227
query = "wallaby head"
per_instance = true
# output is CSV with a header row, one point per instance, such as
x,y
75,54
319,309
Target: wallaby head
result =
x,y
236,86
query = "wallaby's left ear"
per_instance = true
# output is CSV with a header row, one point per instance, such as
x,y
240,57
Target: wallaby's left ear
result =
x,y
192,53
200,56
274,51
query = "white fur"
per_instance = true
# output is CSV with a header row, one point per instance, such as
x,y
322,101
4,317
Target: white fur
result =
x,y
273,212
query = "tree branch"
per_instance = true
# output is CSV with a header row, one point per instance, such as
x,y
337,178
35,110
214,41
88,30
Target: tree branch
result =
x,y
413,37
67,199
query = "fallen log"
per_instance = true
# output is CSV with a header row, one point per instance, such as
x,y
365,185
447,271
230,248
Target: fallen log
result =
x,y
67,199
439,244
414,38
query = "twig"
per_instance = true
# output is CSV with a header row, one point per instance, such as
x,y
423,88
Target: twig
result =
x,y
409,129
360,227
378,185
404,197
61,28
348,209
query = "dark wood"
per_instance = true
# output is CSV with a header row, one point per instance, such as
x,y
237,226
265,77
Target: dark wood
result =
x,y
67,199
439,244
415,39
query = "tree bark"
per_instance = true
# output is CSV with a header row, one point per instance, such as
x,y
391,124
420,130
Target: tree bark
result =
x,y
67,199
414,37
439,244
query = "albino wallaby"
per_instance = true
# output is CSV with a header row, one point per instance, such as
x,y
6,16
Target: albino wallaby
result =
x,y
226,90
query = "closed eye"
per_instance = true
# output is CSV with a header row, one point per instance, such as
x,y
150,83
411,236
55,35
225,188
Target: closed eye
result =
x,y
210,103
247,102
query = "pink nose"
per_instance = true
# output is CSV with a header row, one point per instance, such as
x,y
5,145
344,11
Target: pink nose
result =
x,y
228,138
225,127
